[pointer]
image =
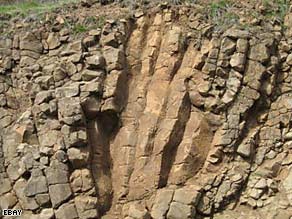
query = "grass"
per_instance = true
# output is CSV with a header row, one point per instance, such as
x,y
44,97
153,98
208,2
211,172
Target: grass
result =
x,y
276,8
31,6
217,8
91,22
221,14
79,28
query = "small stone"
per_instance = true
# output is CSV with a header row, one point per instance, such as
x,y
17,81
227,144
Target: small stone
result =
x,y
259,52
53,41
88,75
86,207
289,59
228,46
47,213
242,46
42,199
261,184
78,156
95,32
43,96
96,61
7,201
235,34
244,149
70,91
237,62
196,99
288,136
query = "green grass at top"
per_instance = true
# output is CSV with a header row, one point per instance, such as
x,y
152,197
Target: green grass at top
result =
x,y
31,6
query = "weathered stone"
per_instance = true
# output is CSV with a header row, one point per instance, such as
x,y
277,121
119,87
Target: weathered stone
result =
x,y
196,99
70,91
259,52
96,61
89,41
74,47
45,82
26,61
70,68
56,176
88,75
114,58
109,40
26,202
59,74
136,211
29,42
242,46
228,46
235,34
86,207
178,210
43,96
42,199
36,185
81,180
47,213
78,156
53,41
59,193
66,211
187,196
70,111
244,149
237,61
261,184
7,201
162,203
49,139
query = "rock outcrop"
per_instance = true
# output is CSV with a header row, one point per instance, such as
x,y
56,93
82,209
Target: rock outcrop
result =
x,y
151,117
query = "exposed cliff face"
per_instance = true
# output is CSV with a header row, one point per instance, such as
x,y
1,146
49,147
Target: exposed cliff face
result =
x,y
154,117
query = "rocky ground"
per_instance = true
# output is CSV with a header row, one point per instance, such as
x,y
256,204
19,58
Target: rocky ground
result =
x,y
147,111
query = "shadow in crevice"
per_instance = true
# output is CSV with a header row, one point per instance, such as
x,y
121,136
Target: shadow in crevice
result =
x,y
170,150
100,131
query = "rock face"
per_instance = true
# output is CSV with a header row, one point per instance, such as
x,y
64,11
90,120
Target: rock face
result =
x,y
145,120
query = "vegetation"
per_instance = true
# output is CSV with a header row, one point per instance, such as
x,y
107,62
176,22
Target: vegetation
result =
x,y
276,8
31,6
79,28
221,13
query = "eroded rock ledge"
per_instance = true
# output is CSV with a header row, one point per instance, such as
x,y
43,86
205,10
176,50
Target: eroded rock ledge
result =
x,y
147,119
